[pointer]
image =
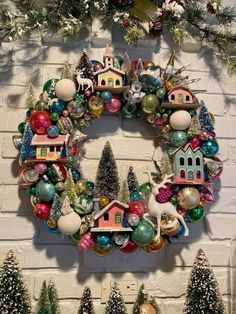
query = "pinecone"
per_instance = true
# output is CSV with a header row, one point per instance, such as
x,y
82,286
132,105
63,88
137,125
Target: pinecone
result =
x,y
211,8
156,28
121,4
164,194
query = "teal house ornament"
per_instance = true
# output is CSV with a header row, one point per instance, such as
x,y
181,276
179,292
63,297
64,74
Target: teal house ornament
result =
x,y
188,165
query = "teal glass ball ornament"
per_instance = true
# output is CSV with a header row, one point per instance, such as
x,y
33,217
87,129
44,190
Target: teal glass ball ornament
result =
x,y
103,239
134,196
180,231
52,131
57,106
210,148
161,92
150,83
143,234
179,138
90,185
106,96
150,103
145,188
84,204
196,214
129,111
45,191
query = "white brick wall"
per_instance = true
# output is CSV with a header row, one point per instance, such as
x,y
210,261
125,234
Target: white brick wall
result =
x,y
46,256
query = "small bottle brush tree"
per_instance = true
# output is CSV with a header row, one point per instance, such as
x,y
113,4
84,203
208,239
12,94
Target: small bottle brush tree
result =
x,y
85,66
124,193
69,188
140,299
205,119
132,181
43,306
14,297
203,294
115,303
165,165
107,180
86,303
53,298
27,151
56,208
30,98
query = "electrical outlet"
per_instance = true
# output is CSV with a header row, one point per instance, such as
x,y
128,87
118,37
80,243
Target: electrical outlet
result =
x,y
128,285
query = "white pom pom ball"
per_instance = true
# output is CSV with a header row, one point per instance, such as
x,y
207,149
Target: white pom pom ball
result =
x,y
180,120
69,224
65,89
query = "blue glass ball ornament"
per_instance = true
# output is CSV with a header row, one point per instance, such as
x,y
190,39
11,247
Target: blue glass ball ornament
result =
x,y
29,112
150,83
134,196
75,174
52,131
103,239
106,96
57,106
45,191
179,138
210,148
180,231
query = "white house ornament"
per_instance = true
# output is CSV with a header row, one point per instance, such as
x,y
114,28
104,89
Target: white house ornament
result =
x,y
146,215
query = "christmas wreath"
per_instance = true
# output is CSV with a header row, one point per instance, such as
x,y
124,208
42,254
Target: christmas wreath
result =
x,y
108,214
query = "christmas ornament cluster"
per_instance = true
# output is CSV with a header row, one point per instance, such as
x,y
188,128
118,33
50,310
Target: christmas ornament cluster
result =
x,y
103,215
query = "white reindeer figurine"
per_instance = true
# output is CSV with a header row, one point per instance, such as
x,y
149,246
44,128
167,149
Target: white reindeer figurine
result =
x,y
84,81
156,209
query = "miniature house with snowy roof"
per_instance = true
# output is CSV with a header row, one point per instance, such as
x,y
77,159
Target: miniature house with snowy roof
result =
x,y
110,218
181,97
50,149
188,165
109,78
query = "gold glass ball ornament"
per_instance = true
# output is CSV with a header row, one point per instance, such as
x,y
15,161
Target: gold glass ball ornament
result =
x,y
148,64
103,251
103,201
80,187
52,223
169,225
188,197
155,246
169,85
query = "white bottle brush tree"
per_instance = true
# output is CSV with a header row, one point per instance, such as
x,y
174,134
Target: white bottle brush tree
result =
x,y
115,303
14,297
203,294
86,302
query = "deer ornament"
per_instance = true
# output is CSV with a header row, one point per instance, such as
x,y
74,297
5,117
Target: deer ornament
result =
x,y
84,81
156,209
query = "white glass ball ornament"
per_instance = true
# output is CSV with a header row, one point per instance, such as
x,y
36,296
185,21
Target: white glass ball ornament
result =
x,y
180,120
69,224
65,89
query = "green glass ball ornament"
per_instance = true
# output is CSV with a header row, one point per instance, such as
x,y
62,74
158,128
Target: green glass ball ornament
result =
x,y
21,127
179,138
161,92
90,185
173,200
84,204
196,214
150,103
210,148
54,116
145,188
31,190
45,191
128,111
49,86
143,234
70,159
40,105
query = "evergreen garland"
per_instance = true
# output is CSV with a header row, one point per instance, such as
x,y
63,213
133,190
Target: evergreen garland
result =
x,y
14,297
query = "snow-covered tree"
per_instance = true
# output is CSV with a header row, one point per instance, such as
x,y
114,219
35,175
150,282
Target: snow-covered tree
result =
x,y
69,188
43,306
132,181
14,297
30,97
56,208
166,167
53,298
107,180
124,196
85,66
205,119
203,294
86,303
27,151
115,303
67,72
140,299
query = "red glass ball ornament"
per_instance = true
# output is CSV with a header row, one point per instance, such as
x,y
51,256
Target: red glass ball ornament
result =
x,y
42,210
73,150
181,211
65,113
136,207
87,93
130,247
164,194
195,142
40,121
